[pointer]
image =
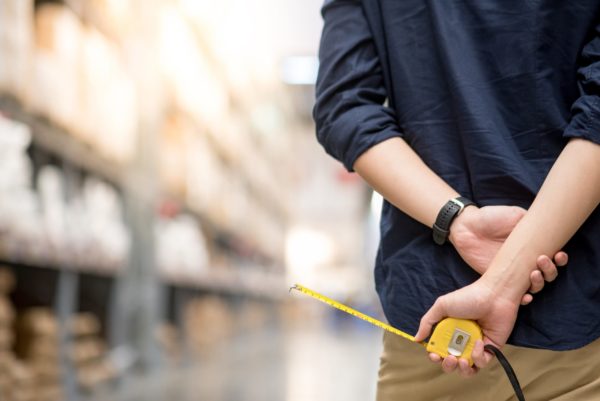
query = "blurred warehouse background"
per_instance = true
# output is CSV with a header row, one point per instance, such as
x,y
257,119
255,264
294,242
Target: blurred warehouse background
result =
x,y
161,188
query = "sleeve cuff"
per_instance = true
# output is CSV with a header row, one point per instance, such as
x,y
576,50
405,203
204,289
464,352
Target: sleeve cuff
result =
x,y
585,122
355,132
365,143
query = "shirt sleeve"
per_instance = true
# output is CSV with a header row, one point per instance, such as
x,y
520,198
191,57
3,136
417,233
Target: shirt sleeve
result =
x,y
585,112
349,112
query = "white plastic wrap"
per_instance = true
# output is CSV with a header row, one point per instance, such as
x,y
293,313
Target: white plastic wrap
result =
x,y
106,229
52,200
181,247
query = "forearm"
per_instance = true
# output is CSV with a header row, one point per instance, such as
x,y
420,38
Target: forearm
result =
x,y
394,170
568,196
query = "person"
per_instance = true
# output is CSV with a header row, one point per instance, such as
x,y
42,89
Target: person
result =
x,y
498,102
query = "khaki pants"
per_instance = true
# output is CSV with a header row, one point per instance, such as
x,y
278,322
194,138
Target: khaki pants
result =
x,y
406,374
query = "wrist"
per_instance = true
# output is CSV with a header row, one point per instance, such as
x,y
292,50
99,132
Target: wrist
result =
x,y
446,217
459,228
508,276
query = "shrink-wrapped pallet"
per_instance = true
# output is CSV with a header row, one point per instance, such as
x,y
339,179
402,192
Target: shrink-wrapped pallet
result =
x,y
181,249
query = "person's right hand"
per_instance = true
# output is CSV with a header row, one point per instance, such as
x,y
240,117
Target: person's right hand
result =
x,y
482,302
478,233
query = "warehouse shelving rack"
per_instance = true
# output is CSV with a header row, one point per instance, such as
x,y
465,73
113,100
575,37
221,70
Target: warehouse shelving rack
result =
x,y
130,300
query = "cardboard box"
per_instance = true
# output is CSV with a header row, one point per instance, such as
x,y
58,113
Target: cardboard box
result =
x,y
56,90
45,371
169,340
109,104
209,322
38,322
16,43
7,312
49,393
84,324
85,350
7,338
7,281
94,375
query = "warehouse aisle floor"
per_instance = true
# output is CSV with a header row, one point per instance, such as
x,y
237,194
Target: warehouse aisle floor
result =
x,y
311,365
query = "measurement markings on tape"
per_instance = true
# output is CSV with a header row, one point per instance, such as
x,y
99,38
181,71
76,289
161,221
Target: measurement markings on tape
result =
x,y
351,311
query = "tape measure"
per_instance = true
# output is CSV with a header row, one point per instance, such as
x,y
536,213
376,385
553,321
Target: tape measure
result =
x,y
450,336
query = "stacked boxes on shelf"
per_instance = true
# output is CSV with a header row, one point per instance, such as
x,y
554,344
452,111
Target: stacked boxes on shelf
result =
x,y
19,207
169,339
38,345
212,150
86,228
88,352
36,374
181,251
47,50
219,132
37,332
16,378
7,312
16,30
98,101
254,316
208,322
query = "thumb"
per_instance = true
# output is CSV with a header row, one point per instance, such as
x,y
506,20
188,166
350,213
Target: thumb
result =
x,y
436,313
509,217
517,213
481,356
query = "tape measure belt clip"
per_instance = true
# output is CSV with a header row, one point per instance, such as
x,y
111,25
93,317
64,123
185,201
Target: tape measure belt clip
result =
x,y
456,337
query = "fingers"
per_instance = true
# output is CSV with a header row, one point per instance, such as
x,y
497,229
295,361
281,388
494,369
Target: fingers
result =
x,y
547,271
526,300
480,357
518,212
429,319
451,364
510,220
561,258
537,281
547,268
435,358
465,370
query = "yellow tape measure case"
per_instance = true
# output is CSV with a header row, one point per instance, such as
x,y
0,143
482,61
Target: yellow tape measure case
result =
x,y
455,337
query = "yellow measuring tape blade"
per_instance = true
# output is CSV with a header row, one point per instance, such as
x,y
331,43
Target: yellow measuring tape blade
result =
x,y
351,311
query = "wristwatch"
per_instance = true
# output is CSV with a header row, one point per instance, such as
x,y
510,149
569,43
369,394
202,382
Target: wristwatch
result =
x,y
452,208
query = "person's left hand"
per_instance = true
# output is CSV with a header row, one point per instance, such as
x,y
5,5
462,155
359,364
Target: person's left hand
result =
x,y
478,233
481,302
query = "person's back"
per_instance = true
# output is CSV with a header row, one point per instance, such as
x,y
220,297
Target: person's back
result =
x,y
487,93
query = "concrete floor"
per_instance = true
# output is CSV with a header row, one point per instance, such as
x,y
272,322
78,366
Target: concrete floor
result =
x,y
309,365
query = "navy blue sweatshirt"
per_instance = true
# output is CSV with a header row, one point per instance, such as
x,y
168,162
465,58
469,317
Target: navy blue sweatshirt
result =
x,y
487,92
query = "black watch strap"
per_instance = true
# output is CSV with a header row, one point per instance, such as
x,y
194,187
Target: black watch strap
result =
x,y
452,208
